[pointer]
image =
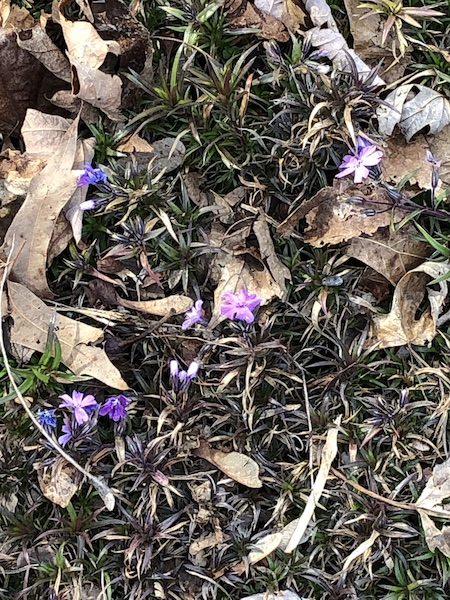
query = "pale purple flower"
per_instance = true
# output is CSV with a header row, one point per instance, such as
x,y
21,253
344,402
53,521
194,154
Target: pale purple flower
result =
x,y
47,418
181,380
240,306
194,315
81,405
67,432
91,176
115,407
365,156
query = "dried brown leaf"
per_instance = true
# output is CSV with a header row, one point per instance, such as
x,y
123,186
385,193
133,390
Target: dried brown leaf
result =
x,y
42,133
85,46
400,326
392,254
264,546
31,322
37,42
243,14
335,217
58,482
281,595
239,467
176,305
436,491
33,225
278,270
402,158
328,454
16,172
135,144
286,11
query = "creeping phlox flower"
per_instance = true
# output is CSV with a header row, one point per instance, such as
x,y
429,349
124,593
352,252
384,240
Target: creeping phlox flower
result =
x,y
91,176
180,379
46,418
82,405
240,306
115,407
67,432
194,315
366,155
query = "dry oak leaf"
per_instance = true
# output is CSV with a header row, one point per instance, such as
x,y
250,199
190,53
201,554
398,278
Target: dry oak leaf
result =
x,y
135,144
413,107
278,270
31,322
402,158
42,133
285,11
334,217
38,43
244,14
85,46
400,326
32,228
235,465
57,482
392,254
436,491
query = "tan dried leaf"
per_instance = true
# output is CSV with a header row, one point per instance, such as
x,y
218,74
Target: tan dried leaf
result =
x,y
99,89
278,270
334,217
15,17
42,133
281,595
243,14
286,11
264,546
402,157
328,454
392,254
57,482
135,144
400,326
162,307
33,225
16,172
363,550
436,491
38,43
85,46
239,467
31,322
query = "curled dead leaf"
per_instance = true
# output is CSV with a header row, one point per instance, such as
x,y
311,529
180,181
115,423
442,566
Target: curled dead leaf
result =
x,y
58,482
31,322
400,326
239,467
244,14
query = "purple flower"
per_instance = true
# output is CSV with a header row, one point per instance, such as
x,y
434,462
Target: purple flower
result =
x,y
181,380
90,175
240,306
81,405
67,432
194,315
46,418
115,407
365,156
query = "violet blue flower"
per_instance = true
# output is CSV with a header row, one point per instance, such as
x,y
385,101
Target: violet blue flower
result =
x,y
365,156
81,404
67,432
115,407
240,306
181,380
194,315
91,176
46,418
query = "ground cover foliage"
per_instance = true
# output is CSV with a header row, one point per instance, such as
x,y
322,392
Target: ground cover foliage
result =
x,y
306,456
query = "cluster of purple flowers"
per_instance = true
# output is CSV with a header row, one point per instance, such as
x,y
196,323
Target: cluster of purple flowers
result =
x,y
240,306
82,407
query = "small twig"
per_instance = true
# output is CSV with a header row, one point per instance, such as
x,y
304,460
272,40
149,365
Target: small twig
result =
x,y
104,491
